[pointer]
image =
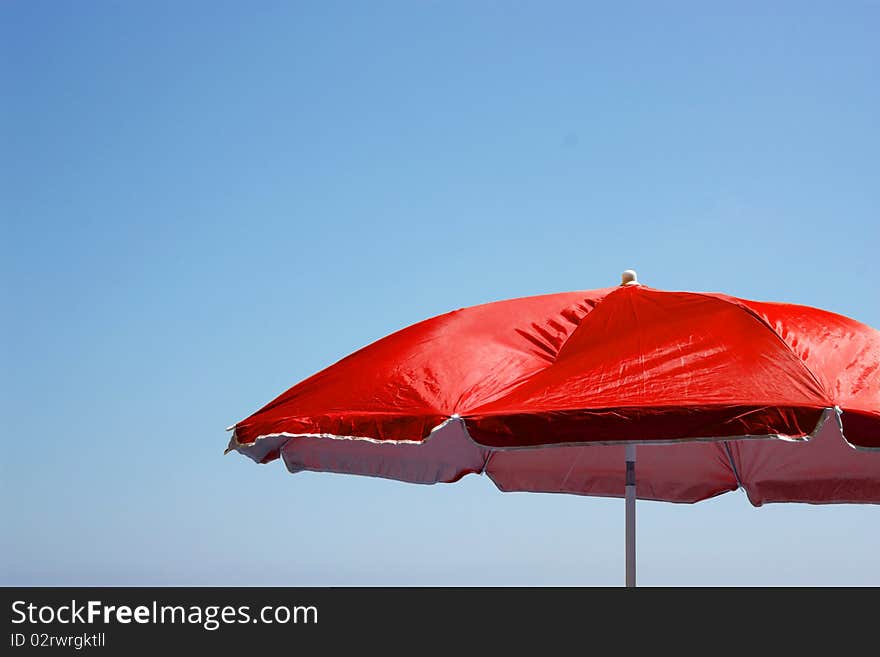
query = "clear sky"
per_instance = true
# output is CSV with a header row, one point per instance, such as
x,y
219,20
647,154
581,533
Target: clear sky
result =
x,y
205,202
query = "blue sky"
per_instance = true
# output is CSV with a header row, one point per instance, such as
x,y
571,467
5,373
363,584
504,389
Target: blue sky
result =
x,y
205,202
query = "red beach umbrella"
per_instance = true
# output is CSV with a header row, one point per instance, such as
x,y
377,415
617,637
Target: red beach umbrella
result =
x,y
557,393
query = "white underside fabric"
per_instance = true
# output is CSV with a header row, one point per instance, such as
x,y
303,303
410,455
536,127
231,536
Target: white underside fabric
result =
x,y
769,469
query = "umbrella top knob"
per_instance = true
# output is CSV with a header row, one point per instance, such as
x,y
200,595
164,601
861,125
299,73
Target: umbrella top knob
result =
x,y
629,277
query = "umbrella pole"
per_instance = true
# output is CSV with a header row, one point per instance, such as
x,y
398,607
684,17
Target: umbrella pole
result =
x,y
630,515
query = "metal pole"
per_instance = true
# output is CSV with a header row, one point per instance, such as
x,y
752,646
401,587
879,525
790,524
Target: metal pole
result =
x,y
630,515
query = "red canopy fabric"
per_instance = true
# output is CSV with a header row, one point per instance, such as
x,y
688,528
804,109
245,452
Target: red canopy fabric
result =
x,y
540,393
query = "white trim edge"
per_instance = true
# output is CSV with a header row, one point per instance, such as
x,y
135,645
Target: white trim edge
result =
x,y
836,411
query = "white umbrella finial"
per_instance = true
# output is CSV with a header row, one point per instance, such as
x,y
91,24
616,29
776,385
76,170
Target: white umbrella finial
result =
x,y
629,277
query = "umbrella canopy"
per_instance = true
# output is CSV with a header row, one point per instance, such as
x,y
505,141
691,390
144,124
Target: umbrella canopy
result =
x,y
543,393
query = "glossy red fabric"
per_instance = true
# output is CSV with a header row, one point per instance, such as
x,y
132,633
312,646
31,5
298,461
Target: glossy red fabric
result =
x,y
577,370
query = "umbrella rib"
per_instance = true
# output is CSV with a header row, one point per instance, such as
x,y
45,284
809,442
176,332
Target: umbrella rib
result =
x,y
742,305
580,323
486,460
739,482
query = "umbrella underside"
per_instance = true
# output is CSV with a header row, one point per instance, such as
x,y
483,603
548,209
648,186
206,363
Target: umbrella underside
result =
x,y
767,469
